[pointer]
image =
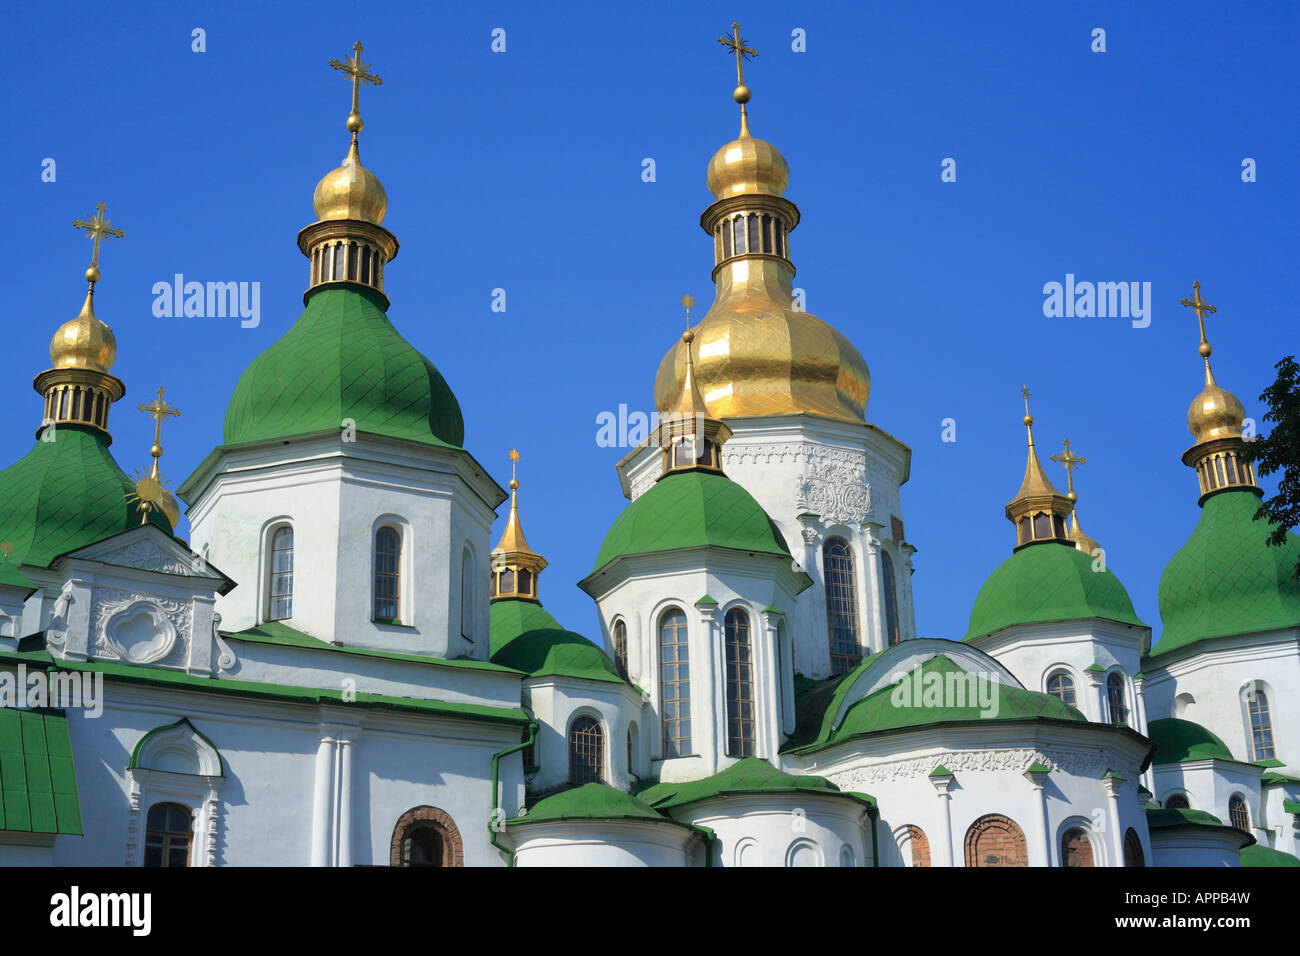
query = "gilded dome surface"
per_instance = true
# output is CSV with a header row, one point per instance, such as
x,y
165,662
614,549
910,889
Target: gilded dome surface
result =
x,y
351,192
1215,413
84,342
755,357
747,166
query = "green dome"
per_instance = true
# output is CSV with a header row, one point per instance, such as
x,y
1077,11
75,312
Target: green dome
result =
x,y
692,509
341,360
591,801
524,636
1227,579
1048,582
64,495
1179,740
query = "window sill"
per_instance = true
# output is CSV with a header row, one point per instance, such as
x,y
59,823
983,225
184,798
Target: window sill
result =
x,y
391,622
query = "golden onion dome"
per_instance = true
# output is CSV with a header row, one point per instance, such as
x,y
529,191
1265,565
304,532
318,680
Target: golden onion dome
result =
x,y
747,166
351,192
84,342
1215,413
754,357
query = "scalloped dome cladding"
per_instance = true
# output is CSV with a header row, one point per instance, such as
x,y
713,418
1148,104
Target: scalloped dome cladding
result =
x,y
1227,579
341,360
526,637
64,495
1048,582
692,509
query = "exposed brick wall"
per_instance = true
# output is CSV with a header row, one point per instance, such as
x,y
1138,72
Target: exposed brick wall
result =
x,y
995,840
920,846
1075,848
453,851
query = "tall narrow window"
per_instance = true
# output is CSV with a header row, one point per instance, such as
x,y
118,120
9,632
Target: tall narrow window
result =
x,y
352,260
339,256
167,835
388,558
1115,697
280,606
1261,725
620,648
674,684
841,605
755,243
892,635
767,233
738,224
586,751
1238,813
726,240
740,685
1061,686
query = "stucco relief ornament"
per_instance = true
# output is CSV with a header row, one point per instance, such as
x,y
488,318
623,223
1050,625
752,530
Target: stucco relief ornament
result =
x,y
146,556
226,659
970,761
136,627
835,487
56,632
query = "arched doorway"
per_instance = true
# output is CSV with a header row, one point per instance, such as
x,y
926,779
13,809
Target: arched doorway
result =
x,y
996,840
426,836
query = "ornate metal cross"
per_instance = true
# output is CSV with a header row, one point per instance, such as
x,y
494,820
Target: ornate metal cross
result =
x,y
1199,306
1070,461
742,52
359,72
99,229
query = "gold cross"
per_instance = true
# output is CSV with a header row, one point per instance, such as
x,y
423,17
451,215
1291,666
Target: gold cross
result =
x,y
1200,307
737,46
159,411
688,303
1070,461
98,229
354,68
1024,393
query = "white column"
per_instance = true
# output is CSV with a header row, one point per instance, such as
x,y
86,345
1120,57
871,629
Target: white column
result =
x,y
771,707
1113,781
709,736
873,604
943,785
908,624
1037,778
323,804
345,802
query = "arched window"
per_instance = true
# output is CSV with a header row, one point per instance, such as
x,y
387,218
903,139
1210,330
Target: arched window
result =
x,y
995,840
388,573
167,835
1115,698
916,846
1261,724
892,636
1076,850
841,605
1177,801
740,685
586,751
674,684
280,605
1061,686
1133,849
1238,812
620,648
426,836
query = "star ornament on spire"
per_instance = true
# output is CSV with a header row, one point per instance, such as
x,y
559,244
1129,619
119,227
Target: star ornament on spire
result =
x,y
149,490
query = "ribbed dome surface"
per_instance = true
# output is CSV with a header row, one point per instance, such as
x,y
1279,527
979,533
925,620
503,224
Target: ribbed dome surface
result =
x,y
342,360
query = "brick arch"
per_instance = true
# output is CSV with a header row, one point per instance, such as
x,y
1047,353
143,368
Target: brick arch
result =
x,y
453,850
920,845
996,840
1076,848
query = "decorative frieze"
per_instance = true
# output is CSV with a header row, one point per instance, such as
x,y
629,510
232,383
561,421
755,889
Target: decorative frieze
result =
x,y
1013,760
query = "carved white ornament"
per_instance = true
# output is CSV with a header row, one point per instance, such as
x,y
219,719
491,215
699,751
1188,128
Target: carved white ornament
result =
x,y
137,627
1077,763
146,556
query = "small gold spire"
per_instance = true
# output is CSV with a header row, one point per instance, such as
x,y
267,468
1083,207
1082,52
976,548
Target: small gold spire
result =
x,y
150,490
359,73
86,342
515,566
1038,510
741,94
1071,461
351,191
690,437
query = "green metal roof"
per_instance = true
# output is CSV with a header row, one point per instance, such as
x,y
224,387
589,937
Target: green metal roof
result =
x,y
1258,855
877,712
1048,582
692,509
38,786
525,637
1227,579
341,360
747,776
1166,817
63,495
591,801
1180,740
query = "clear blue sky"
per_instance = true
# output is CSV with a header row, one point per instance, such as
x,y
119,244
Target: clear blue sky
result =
x,y
523,171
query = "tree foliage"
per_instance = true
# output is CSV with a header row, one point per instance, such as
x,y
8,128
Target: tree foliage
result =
x,y
1279,452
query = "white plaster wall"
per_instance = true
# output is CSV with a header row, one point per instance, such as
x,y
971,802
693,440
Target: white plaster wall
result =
x,y
783,829
1177,847
605,843
556,702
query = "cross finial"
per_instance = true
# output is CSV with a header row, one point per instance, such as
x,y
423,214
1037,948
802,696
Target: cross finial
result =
x,y
99,229
159,411
737,46
688,303
359,73
1200,307
1070,461
514,461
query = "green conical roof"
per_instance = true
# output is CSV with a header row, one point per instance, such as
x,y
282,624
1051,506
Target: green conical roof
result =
x,y
341,360
1048,582
1227,579
691,509
746,776
63,495
524,636
1178,740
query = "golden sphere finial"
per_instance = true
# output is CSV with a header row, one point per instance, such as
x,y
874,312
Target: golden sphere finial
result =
x,y
741,94
688,336
355,124
514,484
1028,419
92,274
1204,350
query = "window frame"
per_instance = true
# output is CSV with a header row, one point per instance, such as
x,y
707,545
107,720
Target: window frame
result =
x,y
593,728
273,532
738,690
395,574
844,594
673,744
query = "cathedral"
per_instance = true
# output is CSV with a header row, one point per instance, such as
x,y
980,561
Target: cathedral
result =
x,y
341,668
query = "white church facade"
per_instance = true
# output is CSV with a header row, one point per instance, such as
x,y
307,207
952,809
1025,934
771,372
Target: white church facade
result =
x,y
339,668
